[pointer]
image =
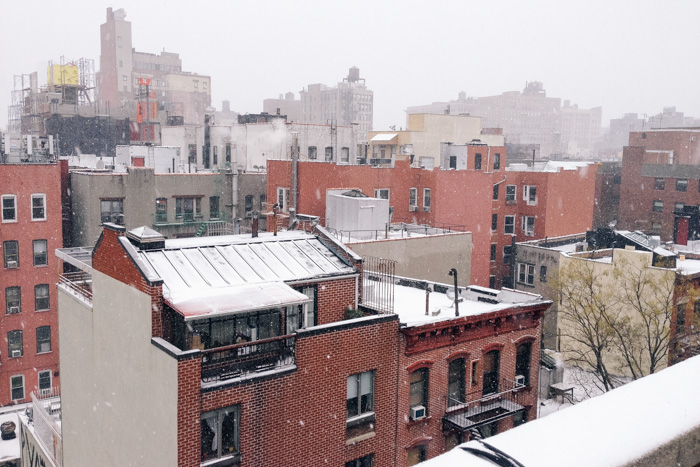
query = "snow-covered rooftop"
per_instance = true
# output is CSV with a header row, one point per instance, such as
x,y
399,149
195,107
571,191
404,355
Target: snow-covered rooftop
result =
x,y
410,303
550,166
614,429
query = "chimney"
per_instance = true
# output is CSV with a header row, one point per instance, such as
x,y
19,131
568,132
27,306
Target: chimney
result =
x,y
255,224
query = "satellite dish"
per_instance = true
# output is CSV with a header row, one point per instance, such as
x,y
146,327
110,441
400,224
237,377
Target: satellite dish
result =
x,y
450,293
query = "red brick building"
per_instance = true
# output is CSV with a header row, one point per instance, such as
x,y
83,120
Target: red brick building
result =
x,y
659,193
494,203
242,350
30,230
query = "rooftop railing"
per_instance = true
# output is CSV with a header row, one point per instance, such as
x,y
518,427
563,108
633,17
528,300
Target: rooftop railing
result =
x,y
79,283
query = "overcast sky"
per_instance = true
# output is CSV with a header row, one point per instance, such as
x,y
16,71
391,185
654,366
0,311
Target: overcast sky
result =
x,y
626,56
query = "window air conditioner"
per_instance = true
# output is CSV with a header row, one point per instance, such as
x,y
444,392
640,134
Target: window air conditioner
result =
x,y
16,353
417,412
413,208
519,381
11,264
14,309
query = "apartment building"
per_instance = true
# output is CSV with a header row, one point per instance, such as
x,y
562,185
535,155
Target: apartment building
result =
x,y
219,340
659,191
30,230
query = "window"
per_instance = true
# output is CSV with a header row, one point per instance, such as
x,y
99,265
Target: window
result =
x,y
493,251
303,315
477,162
283,199
9,208
658,206
526,273
495,191
455,381
491,366
520,418
345,155
659,184
44,380
381,193
492,282
14,344
530,195
41,297
522,361
360,394
196,83
228,153
497,162
419,388
216,155
312,152
453,162
510,194
413,199
365,461
507,254
416,455
41,257
494,221
39,207
124,78
112,210
13,300
426,199
509,224
220,433
475,372
528,225
161,210
543,273
329,153
43,339
214,212
680,317
17,387
11,253
263,201
188,208
682,184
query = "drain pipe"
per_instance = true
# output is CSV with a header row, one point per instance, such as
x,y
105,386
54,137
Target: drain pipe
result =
x,y
453,272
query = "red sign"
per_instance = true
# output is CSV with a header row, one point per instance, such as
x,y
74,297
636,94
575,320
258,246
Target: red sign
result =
x,y
145,81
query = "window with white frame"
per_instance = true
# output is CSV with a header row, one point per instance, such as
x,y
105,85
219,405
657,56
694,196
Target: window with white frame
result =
x,y
381,193
360,395
303,315
13,300
283,199
112,210
528,225
41,257
39,207
9,208
312,152
509,224
17,387
510,193
530,195
15,347
45,380
329,153
43,339
220,433
41,297
526,273
188,208
345,155
413,199
426,199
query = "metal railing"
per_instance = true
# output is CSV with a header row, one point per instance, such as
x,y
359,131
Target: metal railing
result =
x,y
46,411
240,360
79,283
507,390
396,230
378,284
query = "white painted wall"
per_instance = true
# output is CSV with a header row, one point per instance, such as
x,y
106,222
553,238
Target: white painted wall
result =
x,y
363,215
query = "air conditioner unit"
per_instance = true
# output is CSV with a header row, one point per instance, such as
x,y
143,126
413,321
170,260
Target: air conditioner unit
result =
x,y
413,208
11,264
14,309
417,412
519,381
16,353
426,208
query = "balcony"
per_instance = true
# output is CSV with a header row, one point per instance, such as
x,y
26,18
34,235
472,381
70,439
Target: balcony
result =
x,y
248,359
78,283
481,410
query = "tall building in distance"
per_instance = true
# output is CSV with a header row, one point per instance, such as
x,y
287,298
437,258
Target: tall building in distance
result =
x,y
349,103
124,74
530,117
